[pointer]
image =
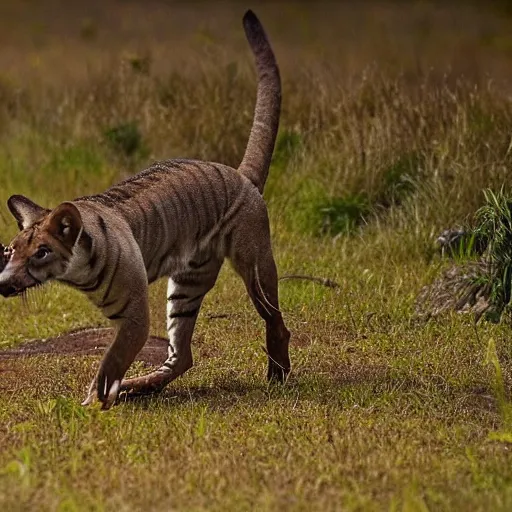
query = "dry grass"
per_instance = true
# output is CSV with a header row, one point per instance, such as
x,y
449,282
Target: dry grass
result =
x,y
395,117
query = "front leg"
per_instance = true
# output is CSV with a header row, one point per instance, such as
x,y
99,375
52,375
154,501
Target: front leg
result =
x,y
130,338
185,293
131,335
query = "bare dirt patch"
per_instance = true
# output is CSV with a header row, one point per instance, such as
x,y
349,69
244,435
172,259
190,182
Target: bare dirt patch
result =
x,y
84,342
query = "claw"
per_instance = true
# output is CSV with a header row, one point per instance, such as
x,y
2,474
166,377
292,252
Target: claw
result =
x,y
91,393
89,399
112,395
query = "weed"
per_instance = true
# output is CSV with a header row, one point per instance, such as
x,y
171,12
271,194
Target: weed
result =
x,y
498,384
126,139
287,146
339,215
399,179
494,223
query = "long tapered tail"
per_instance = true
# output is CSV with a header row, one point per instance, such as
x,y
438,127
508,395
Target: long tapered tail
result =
x,y
260,146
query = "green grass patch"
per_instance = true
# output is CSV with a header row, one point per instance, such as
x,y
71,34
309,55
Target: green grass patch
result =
x,y
393,123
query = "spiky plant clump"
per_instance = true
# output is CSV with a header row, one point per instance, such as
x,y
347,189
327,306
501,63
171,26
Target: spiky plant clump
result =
x,y
483,286
494,223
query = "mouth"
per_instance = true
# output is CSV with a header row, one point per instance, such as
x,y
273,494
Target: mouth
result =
x,y
9,291
13,291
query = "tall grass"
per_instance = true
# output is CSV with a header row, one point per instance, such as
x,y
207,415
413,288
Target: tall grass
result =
x,y
406,146
396,116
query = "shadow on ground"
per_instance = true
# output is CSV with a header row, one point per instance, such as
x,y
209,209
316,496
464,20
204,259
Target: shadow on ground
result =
x,y
351,383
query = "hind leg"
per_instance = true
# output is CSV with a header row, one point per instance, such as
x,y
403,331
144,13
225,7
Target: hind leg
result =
x,y
257,268
185,293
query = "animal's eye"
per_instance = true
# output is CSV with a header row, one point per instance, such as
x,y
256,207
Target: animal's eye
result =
x,y
42,252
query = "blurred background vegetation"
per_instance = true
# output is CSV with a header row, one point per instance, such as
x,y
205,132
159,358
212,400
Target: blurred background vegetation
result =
x,y
395,114
396,118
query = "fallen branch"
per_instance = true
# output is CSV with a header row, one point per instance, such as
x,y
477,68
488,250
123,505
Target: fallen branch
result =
x,y
320,280
215,316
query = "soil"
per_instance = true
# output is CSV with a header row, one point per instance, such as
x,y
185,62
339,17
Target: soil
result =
x,y
91,341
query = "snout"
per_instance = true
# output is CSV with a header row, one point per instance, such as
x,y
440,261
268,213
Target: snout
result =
x,y
8,290
15,280
12,289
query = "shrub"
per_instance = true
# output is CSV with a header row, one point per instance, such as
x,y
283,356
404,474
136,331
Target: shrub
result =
x,y
125,139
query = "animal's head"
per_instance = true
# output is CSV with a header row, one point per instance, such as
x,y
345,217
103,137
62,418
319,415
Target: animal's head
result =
x,y
43,247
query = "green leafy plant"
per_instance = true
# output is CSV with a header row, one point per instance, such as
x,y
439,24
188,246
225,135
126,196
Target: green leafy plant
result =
x,y
287,144
494,223
125,139
339,215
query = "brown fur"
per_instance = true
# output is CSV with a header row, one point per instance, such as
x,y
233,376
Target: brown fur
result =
x,y
179,218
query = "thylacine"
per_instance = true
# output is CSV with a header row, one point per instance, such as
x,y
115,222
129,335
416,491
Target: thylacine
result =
x,y
178,218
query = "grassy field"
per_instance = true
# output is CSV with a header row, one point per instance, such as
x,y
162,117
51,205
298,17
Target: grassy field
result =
x,y
396,117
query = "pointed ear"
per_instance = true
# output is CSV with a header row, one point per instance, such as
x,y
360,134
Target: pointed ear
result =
x,y
25,211
65,223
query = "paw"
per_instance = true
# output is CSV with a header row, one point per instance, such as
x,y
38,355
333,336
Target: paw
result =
x,y
277,373
107,389
90,398
91,392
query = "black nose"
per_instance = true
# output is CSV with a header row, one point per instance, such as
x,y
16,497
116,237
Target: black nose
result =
x,y
7,290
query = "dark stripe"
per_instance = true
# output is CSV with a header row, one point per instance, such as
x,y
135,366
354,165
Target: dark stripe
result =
x,y
201,200
154,248
213,201
101,387
145,218
195,165
196,265
183,296
173,164
93,260
86,241
100,198
149,265
184,314
208,194
101,273
108,303
157,239
103,225
143,178
152,178
86,287
185,280
65,281
135,186
119,314
182,205
224,186
151,175
177,296
97,283
193,209
118,194
109,286
160,263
